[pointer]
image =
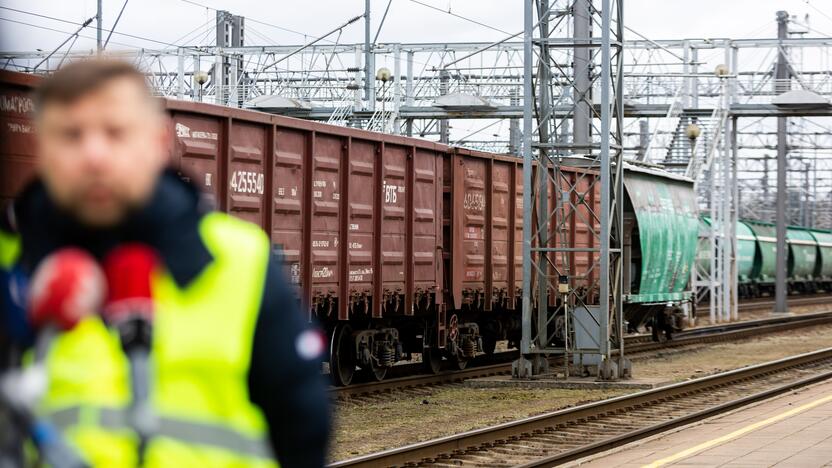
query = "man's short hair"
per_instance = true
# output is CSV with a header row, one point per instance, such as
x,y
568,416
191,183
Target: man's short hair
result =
x,y
83,77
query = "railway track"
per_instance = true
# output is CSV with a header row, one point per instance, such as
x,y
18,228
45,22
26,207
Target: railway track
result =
x,y
570,434
763,303
635,345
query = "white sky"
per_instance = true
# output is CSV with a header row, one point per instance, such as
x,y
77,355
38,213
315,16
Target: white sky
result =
x,y
408,21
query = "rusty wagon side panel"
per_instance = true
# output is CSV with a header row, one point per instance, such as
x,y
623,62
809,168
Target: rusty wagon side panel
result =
x,y
484,229
353,213
17,139
484,219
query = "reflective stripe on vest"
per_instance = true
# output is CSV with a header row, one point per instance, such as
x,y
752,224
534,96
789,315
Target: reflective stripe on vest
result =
x,y
202,339
186,431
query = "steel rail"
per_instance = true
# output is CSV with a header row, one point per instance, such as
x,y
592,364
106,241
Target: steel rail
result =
x,y
793,301
617,441
479,438
414,381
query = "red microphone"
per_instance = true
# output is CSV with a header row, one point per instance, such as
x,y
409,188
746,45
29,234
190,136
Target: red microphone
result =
x,y
66,287
128,269
129,309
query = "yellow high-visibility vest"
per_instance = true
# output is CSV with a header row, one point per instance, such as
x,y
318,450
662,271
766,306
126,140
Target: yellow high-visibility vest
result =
x,y
200,356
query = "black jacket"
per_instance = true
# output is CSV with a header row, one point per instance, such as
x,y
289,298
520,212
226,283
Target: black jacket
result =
x,y
285,378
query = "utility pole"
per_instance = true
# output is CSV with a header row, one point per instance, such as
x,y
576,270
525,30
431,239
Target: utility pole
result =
x,y
781,85
99,22
444,127
230,33
582,119
369,72
514,135
643,138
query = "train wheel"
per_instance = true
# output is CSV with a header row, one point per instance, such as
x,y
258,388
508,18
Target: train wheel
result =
x,y
432,359
342,355
656,329
460,363
376,372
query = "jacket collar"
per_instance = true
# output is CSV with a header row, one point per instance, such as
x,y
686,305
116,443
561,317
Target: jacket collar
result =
x,y
168,222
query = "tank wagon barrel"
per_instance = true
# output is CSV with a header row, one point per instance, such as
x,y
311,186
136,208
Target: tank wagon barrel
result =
x,y
809,258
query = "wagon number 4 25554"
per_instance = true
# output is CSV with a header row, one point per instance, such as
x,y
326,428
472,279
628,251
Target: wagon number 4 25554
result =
x,y
247,182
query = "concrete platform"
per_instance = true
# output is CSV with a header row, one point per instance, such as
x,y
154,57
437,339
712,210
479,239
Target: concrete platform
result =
x,y
793,430
552,381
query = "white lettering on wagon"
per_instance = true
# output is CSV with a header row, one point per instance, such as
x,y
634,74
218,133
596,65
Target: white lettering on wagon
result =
x,y
17,104
248,182
391,192
293,192
474,201
15,127
183,131
358,275
324,272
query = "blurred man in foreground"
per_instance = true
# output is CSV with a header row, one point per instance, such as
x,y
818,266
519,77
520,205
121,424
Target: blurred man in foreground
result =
x,y
235,368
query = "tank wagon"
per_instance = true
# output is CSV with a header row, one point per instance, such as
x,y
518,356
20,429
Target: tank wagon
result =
x,y
809,258
399,245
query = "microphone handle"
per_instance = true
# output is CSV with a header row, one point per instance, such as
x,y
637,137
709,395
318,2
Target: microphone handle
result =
x,y
44,342
53,447
142,417
48,440
139,373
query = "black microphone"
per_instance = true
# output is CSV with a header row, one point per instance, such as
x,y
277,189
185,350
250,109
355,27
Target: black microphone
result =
x,y
129,309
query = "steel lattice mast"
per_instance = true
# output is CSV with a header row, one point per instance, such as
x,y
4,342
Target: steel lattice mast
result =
x,y
561,305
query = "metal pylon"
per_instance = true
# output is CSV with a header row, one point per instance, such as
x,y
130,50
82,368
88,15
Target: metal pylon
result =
x,y
573,183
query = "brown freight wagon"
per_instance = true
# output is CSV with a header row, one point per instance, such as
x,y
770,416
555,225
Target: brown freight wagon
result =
x,y
398,245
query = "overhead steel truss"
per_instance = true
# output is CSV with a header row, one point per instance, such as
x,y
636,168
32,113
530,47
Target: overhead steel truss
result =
x,y
661,85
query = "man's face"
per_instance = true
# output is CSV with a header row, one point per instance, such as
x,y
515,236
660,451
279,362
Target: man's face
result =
x,y
101,154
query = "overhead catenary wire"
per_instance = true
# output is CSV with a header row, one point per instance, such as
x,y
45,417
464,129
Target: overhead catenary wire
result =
x,y
68,50
818,10
133,36
47,28
315,41
383,17
465,18
199,31
282,28
118,18
74,35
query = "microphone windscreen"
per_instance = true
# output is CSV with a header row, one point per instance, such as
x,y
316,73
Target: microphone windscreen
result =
x,y
128,270
67,286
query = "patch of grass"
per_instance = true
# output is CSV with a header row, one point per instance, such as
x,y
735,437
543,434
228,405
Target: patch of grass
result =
x,y
363,428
